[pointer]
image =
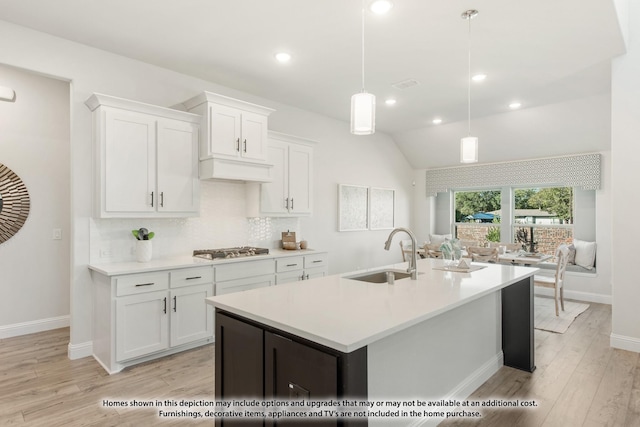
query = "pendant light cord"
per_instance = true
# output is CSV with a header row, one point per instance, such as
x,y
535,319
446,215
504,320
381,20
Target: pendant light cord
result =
x,y
469,78
362,45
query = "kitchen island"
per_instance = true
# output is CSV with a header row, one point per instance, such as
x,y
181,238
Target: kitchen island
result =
x,y
440,336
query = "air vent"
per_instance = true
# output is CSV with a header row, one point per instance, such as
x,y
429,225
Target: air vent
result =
x,y
405,84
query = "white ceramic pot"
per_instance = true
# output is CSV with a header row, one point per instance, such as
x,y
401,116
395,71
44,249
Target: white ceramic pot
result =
x,y
143,250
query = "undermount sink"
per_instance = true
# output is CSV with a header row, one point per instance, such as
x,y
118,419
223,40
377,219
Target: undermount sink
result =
x,y
380,276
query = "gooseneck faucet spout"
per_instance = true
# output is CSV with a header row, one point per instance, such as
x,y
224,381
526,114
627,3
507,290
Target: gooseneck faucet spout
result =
x,y
412,269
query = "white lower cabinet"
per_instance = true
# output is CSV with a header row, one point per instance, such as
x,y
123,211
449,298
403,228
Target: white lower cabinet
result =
x,y
142,316
301,267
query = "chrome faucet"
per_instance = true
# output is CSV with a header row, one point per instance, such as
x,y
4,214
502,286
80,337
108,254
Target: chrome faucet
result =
x,y
412,269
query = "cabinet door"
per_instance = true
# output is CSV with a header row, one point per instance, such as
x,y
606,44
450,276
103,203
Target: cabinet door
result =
x,y
191,317
290,276
128,162
274,195
294,371
177,154
224,130
254,136
142,324
312,273
300,178
239,371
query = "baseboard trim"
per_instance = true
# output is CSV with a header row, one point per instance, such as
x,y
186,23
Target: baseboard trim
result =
x,y
576,295
31,327
78,351
463,390
625,343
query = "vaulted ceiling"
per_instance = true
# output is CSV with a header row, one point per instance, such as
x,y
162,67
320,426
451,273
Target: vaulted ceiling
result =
x,y
536,52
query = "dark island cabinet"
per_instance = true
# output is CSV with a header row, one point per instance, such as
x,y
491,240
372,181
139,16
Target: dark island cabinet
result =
x,y
256,361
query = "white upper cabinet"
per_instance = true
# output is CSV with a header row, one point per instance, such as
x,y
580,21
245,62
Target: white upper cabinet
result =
x,y
234,142
291,190
146,159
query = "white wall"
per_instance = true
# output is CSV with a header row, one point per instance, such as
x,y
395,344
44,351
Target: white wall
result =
x,y
34,143
339,158
625,151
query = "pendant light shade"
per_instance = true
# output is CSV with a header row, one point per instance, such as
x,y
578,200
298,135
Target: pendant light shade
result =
x,y
469,144
363,104
363,113
469,149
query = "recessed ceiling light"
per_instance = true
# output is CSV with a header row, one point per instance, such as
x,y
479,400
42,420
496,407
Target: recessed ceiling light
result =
x,y
515,105
283,57
436,121
381,7
390,101
479,77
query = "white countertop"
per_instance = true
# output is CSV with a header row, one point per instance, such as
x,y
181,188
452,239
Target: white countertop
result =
x,y
117,268
347,314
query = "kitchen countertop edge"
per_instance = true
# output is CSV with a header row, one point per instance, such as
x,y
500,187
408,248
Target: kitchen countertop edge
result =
x,y
169,263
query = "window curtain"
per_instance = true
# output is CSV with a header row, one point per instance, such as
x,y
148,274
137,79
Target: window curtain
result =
x,y
581,171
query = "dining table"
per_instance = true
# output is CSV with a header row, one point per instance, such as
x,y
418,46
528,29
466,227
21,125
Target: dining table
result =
x,y
524,258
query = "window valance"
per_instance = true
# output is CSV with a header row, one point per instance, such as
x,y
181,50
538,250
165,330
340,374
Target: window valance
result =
x,y
570,171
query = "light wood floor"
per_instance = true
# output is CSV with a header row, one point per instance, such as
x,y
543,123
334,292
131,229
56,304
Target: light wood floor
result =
x,y
40,386
579,381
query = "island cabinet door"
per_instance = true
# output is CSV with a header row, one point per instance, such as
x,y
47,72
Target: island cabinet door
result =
x,y
239,371
294,371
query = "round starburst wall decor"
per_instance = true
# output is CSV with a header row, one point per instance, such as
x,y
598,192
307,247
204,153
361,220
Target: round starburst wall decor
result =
x,y
14,203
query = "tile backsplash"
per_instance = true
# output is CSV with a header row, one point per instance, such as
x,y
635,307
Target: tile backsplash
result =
x,y
222,223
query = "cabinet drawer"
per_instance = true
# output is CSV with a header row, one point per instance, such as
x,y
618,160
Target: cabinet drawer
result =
x,y
289,264
245,284
238,270
140,283
316,260
191,276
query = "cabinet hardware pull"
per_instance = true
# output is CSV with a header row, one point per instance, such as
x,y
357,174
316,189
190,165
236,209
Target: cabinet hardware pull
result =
x,y
145,284
238,145
291,265
175,303
245,145
152,199
317,260
194,277
165,305
286,206
307,276
292,203
162,199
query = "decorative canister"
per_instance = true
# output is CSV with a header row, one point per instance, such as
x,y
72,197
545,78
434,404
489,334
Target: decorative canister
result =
x,y
143,250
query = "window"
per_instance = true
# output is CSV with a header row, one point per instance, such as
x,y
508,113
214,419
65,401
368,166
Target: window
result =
x,y
543,218
477,215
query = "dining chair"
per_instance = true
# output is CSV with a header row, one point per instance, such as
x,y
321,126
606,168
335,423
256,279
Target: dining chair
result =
x,y
557,281
432,250
405,248
483,254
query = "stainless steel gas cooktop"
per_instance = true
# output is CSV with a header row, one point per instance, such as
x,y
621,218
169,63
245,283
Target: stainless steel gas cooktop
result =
x,y
237,252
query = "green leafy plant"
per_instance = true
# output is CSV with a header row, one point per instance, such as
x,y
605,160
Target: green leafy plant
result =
x,y
143,234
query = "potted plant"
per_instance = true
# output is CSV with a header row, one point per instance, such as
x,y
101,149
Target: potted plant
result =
x,y
143,244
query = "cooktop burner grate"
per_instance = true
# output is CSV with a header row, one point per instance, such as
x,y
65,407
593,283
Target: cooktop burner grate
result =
x,y
237,252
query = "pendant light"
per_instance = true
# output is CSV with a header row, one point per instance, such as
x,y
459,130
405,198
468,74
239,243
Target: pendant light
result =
x,y
363,104
469,144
